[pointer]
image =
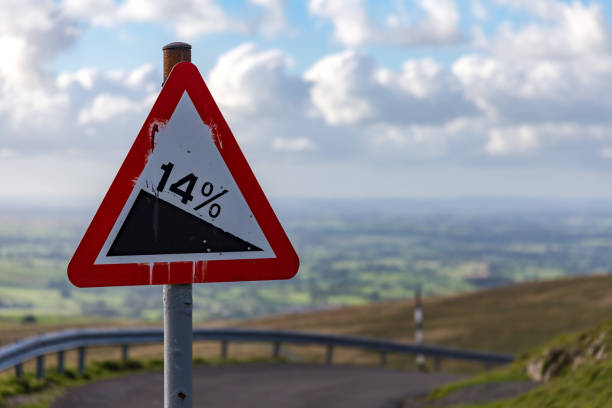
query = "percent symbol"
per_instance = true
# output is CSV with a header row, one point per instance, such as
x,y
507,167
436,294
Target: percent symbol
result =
x,y
215,209
184,187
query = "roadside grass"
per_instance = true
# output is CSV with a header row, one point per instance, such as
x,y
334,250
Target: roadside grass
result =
x,y
30,392
587,387
500,375
583,383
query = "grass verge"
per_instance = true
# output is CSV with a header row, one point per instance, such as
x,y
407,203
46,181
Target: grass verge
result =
x,y
579,368
30,392
501,375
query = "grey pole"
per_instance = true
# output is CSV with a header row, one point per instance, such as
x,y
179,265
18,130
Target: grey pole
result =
x,y
177,346
178,325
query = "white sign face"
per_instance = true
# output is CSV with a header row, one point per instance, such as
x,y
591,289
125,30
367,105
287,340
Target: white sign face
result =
x,y
185,205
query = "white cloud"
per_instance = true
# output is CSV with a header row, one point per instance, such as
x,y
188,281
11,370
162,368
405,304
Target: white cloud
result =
x,y
7,153
352,26
87,104
439,26
368,107
479,10
31,33
85,77
421,78
522,97
250,80
139,76
536,91
417,142
189,19
300,144
569,30
99,12
435,22
107,106
340,84
348,88
519,139
606,152
274,20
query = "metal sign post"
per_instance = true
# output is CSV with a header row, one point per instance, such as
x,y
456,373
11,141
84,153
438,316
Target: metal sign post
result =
x,y
177,346
184,208
178,323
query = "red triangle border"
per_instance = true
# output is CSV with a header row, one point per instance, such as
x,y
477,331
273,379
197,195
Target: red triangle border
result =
x,y
84,273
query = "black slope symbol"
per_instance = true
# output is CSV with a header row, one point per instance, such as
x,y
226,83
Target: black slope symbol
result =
x,y
154,227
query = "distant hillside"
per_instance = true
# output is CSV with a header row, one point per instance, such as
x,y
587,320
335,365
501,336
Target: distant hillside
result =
x,y
511,319
348,258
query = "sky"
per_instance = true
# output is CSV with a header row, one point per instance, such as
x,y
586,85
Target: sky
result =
x,y
327,98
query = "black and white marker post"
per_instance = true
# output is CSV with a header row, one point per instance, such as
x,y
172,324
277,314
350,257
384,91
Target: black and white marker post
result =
x,y
418,323
178,324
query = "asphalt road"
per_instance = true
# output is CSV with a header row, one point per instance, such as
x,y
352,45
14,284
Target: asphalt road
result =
x,y
264,385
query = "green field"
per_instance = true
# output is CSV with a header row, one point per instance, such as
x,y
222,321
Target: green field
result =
x,y
348,257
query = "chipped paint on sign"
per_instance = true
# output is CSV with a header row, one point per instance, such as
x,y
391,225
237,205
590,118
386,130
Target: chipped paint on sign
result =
x,y
186,170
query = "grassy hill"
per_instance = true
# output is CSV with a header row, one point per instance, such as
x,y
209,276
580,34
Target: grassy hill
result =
x,y
512,319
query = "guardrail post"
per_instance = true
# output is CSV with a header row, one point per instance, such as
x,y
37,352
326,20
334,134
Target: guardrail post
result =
x,y
330,355
19,370
125,352
40,367
276,349
224,346
60,361
383,358
81,360
437,363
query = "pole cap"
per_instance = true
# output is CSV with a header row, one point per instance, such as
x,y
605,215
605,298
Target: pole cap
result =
x,y
174,53
177,45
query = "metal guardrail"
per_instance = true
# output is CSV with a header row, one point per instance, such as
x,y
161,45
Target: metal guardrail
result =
x,y
38,347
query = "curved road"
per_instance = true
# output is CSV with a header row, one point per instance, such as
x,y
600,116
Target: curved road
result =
x,y
263,385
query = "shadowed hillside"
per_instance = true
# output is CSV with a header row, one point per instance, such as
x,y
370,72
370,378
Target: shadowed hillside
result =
x,y
511,319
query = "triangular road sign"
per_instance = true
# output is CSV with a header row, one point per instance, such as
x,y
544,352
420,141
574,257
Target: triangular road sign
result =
x,y
185,206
